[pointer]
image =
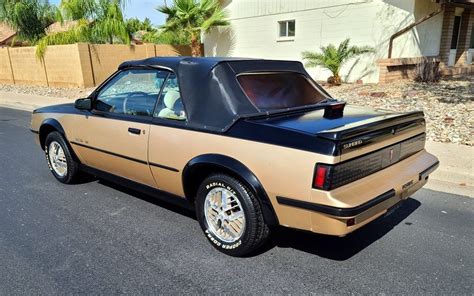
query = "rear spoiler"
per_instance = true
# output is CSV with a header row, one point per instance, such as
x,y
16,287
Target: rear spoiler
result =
x,y
390,124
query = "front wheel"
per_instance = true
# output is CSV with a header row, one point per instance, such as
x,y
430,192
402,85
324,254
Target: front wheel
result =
x,y
60,160
230,215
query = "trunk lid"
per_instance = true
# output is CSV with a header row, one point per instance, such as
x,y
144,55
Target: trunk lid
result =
x,y
359,131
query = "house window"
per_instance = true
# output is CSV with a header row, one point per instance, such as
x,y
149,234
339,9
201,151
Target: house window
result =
x,y
286,29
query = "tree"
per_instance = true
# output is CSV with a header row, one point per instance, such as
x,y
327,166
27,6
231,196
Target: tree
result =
x,y
29,18
192,18
134,25
333,58
160,37
97,21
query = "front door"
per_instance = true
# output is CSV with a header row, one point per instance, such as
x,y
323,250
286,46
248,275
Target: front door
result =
x,y
113,137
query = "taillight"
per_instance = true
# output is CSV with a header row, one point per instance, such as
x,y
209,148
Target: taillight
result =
x,y
321,177
331,176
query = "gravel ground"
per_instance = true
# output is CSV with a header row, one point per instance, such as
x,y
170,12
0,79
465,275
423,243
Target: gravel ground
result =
x,y
55,92
448,105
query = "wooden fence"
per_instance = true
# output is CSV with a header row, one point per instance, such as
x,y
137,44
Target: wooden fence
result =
x,y
74,65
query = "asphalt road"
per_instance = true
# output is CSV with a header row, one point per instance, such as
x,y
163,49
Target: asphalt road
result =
x,y
99,238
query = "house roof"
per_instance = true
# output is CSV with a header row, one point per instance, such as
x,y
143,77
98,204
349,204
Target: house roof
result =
x,y
61,27
6,32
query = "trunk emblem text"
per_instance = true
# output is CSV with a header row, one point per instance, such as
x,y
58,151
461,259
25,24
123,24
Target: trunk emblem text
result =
x,y
352,144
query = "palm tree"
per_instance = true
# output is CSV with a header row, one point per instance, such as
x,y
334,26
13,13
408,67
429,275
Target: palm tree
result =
x,y
193,17
333,58
97,21
29,18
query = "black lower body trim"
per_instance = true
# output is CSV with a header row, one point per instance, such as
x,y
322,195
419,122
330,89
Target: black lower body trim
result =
x,y
126,157
162,195
34,131
428,171
334,211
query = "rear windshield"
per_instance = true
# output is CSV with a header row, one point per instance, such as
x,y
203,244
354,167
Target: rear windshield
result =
x,y
279,90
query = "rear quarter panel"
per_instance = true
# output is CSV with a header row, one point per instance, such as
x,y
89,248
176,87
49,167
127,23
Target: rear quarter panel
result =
x,y
282,171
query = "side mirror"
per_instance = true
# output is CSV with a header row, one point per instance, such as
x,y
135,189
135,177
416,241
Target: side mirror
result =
x,y
83,104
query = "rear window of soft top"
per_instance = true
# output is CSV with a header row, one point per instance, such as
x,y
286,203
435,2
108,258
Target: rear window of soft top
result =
x,y
279,90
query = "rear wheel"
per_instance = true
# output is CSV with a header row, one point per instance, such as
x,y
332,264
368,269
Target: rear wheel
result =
x,y
60,161
230,215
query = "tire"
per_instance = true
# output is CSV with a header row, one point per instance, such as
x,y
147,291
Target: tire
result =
x,y
71,173
253,232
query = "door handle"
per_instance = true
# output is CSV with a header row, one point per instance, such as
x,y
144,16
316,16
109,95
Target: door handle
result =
x,y
135,131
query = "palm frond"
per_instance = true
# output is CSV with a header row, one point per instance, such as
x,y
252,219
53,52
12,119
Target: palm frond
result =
x,y
333,58
193,17
217,18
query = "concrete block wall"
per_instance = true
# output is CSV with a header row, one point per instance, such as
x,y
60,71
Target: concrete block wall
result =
x,y
107,57
83,50
74,65
63,66
6,73
26,68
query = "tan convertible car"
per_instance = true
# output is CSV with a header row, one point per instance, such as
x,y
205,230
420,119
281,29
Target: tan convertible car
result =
x,y
247,143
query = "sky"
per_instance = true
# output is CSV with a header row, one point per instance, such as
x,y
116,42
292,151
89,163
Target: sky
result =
x,y
140,9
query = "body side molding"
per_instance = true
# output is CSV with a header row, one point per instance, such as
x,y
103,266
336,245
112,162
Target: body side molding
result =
x,y
231,165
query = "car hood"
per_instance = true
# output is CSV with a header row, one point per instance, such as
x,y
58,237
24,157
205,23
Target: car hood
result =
x,y
62,108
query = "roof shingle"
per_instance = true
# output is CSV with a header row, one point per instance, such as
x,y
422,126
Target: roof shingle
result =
x,y
6,32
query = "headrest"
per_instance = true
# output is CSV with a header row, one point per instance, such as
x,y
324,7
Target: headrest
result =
x,y
170,98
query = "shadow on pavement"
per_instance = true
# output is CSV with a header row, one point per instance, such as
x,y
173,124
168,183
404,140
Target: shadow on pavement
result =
x,y
341,248
177,208
331,247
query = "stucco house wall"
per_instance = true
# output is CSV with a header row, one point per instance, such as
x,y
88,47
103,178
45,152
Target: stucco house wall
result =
x,y
254,31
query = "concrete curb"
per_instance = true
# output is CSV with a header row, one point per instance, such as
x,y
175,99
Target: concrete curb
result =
x,y
454,175
28,102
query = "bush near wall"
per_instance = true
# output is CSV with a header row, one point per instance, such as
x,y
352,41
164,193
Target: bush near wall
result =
x,y
75,65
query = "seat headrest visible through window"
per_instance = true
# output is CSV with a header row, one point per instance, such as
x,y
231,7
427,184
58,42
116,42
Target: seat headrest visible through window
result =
x,y
170,98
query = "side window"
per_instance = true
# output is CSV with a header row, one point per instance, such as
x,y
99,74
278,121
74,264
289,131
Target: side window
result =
x,y
131,92
170,105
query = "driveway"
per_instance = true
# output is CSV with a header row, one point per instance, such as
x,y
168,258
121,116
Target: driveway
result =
x,y
100,238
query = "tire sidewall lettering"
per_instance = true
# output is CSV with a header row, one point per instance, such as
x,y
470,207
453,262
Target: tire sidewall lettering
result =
x,y
46,154
209,235
223,245
220,184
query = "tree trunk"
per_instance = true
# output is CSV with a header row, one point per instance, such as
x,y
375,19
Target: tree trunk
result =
x,y
335,79
195,47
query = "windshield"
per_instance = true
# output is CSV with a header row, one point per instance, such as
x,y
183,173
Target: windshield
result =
x,y
279,90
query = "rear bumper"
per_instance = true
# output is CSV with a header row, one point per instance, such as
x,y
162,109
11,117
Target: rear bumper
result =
x,y
335,211
366,199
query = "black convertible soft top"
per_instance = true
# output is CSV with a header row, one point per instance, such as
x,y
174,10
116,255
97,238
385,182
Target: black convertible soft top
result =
x,y
211,94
